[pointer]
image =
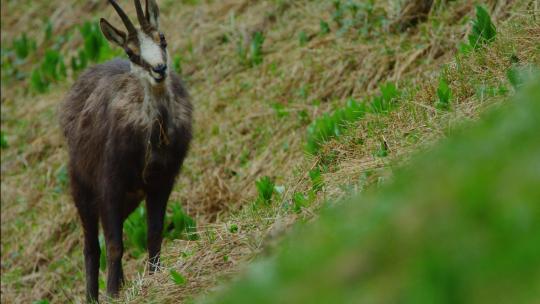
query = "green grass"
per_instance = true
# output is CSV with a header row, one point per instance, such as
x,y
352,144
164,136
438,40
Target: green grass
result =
x,y
361,17
51,67
252,55
135,229
23,46
459,225
177,225
444,93
324,27
317,181
387,100
265,187
483,30
333,125
3,140
177,278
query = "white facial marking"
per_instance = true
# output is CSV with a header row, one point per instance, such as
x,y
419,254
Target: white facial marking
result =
x,y
142,73
150,50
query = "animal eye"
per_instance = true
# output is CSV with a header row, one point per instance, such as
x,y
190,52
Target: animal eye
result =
x,y
163,42
132,56
129,53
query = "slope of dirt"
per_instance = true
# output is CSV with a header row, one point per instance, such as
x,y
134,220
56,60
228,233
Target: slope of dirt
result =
x,y
250,122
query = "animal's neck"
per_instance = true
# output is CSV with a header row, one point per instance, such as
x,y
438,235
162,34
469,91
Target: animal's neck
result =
x,y
152,90
156,94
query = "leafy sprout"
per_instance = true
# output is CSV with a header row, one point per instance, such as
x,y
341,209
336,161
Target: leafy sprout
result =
x,y
265,187
332,125
483,31
177,277
444,94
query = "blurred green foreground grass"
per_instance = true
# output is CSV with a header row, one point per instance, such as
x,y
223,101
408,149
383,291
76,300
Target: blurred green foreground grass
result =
x,y
461,224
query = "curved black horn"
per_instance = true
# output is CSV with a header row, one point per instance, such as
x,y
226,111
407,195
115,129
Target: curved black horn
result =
x,y
129,26
140,15
147,12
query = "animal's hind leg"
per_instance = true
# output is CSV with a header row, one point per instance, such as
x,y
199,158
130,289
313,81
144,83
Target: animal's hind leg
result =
x,y
87,208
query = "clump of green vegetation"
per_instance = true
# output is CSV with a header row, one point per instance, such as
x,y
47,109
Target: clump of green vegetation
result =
x,y
519,75
53,67
255,49
48,30
177,225
301,200
177,277
362,17
483,31
317,181
62,179
303,38
303,117
95,47
180,225
3,140
51,70
445,94
280,109
386,101
332,125
103,253
177,63
135,229
79,62
383,150
23,46
324,27
265,188
233,228
38,82
253,56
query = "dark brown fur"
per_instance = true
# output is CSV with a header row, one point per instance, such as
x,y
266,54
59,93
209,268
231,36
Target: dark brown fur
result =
x,y
119,156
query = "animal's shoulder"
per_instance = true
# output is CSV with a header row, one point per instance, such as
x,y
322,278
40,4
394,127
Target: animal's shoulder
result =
x,y
182,110
178,87
110,68
88,91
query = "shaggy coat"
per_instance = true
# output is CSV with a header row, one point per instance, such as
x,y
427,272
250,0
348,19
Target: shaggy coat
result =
x,y
127,141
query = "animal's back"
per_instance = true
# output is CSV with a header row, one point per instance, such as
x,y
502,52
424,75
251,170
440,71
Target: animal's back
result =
x,y
82,117
86,84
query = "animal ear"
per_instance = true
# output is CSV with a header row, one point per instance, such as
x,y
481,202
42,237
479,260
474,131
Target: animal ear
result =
x,y
152,13
112,34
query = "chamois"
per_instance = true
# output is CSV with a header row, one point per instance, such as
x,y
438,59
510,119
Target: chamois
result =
x,y
128,126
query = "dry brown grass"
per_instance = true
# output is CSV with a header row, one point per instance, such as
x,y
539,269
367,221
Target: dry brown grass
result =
x,y
239,138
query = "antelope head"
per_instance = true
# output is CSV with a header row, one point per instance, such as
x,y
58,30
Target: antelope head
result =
x,y
146,46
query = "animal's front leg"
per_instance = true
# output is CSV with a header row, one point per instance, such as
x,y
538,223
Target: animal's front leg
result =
x,y
112,221
156,204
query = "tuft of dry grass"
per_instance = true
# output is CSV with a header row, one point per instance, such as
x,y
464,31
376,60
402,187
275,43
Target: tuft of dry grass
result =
x,y
239,136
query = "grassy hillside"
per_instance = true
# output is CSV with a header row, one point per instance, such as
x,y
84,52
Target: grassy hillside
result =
x,y
458,225
267,79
